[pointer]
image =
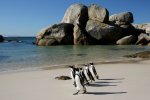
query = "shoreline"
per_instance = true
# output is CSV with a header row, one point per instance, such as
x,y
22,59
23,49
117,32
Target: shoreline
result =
x,y
120,81
61,66
118,61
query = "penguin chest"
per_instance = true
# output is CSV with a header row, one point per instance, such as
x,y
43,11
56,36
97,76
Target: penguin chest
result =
x,y
86,74
92,72
78,82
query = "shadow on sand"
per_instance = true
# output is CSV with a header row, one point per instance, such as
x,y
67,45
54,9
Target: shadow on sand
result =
x,y
100,85
106,82
103,82
105,93
108,79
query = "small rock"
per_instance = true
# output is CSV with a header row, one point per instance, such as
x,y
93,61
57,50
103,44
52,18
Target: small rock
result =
x,y
63,78
1,38
145,54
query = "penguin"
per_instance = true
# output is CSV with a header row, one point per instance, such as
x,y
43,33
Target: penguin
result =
x,y
93,70
72,74
81,70
88,73
80,87
85,70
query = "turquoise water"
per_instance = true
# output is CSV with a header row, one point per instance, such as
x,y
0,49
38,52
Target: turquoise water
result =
x,y
16,56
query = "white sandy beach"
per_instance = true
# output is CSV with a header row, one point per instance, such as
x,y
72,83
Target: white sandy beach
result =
x,y
117,82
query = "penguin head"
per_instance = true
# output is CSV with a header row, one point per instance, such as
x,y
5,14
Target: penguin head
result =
x,y
91,63
71,66
85,65
80,68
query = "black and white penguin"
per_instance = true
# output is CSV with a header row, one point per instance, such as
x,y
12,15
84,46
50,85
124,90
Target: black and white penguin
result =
x,y
88,73
93,71
85,70
84,79
80,87
72,74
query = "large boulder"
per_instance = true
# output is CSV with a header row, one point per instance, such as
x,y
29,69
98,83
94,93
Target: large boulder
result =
x,y
82,25
103,33
143,39
148,44
124,18
130,30
145,27
124,21
127,40
98,13
76,13
57,34
47,42
1,38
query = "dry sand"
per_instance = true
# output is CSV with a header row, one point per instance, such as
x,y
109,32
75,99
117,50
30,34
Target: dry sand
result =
x,y
128,81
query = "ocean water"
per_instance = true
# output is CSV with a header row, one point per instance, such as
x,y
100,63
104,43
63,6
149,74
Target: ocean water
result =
x,y
22,56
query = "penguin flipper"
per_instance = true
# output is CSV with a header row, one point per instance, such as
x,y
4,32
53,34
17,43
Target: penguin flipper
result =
x,y
75,84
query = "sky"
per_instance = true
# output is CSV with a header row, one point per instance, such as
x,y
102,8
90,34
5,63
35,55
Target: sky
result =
x,y
27,17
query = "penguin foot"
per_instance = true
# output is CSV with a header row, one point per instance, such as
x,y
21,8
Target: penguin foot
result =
x,y
76,93
84,92
87,83
97,77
